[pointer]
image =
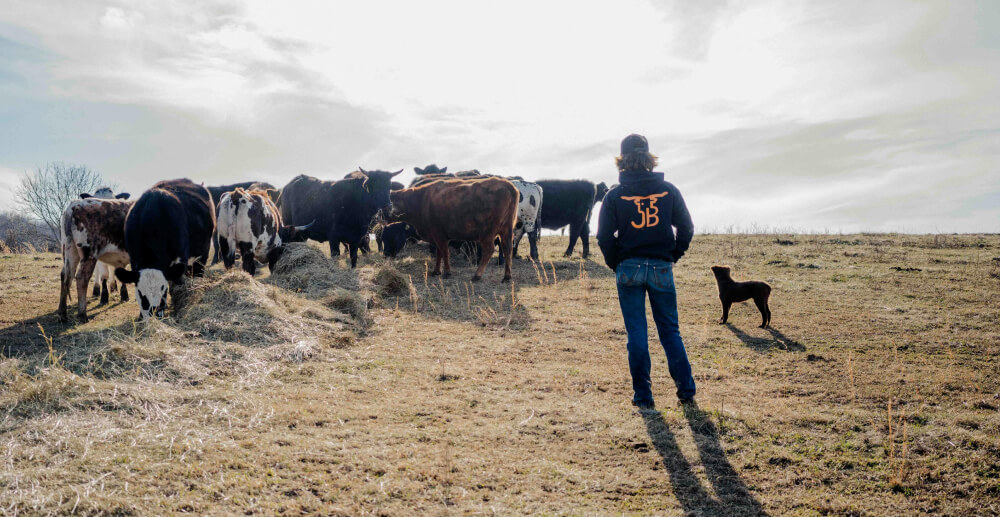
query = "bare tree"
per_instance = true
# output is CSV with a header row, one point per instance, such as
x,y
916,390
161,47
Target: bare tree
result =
x,y
18,232
46,192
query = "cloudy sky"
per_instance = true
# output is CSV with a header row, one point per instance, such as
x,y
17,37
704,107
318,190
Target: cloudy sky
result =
x,y
814,116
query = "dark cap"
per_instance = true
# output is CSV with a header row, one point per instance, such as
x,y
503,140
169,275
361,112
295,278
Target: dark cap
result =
x,y
634,143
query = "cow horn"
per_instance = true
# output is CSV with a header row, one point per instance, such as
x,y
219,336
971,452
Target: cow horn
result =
x,y
306,227
395,173
362,170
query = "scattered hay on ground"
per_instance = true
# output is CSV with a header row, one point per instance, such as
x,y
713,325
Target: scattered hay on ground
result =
x,y
238,309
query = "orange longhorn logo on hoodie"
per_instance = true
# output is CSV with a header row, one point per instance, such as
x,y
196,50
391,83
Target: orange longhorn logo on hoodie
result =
x,y
648,214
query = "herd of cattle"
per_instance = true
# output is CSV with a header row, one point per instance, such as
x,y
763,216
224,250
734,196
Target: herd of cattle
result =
x,y
169,231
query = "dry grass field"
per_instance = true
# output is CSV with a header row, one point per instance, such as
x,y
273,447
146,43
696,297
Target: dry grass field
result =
x,y
318,390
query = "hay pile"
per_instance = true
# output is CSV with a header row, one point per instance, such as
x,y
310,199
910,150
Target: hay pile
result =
x,y
237,309
306,270
390,281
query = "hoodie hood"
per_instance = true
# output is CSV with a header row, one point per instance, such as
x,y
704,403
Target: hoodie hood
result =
x,y
639,177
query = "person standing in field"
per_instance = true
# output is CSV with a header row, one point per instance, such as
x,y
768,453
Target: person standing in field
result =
x,y
636,235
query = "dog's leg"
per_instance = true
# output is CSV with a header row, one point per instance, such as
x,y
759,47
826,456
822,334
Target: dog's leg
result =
x,y
761,302
725,312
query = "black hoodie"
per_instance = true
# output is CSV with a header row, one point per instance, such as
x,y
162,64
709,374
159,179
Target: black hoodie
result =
x,y
638,218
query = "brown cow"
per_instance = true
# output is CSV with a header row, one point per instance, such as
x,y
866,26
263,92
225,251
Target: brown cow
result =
x,y
464,210
92,229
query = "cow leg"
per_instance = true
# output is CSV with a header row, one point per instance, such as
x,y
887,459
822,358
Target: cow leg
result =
x,y
365,245
70,261
487,246
533,242
574,234
104,292
498,244
246,252
124,292
507,248
438,254
216,243
585,238
518,234
83,274
97,286
334,248
353,248
227,252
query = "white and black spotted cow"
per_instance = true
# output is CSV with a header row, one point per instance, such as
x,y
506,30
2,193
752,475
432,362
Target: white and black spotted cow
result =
x,y
167,232
529,211
250,222
104,272
92,229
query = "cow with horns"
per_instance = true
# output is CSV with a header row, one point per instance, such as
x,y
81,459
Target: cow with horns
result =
x,y
342,210
167,232
249,221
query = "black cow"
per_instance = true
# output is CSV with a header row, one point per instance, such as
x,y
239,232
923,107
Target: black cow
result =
x,y
343,210
217,193
395,236
430,169
168,231
379,225
570,202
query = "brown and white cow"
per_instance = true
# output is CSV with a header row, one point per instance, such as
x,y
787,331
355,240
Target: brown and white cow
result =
x,y
92,229
104,273
476,210
249,221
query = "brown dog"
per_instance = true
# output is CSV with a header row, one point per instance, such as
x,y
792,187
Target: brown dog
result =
x,y
731,292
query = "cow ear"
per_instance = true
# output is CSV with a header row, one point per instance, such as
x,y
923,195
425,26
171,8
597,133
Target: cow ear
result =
x,y
85,196
176,271
123,195
418,170
443,170
126,276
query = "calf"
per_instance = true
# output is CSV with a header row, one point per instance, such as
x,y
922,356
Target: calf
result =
x,y
249,221
529,211
465,210
394,237
570,202
167,232
92,229
105,272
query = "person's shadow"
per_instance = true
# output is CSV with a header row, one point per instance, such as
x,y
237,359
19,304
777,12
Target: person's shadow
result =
x,y
734,497
778,340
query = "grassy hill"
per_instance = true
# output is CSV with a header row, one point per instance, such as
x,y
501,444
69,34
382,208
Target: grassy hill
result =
x,y
382,391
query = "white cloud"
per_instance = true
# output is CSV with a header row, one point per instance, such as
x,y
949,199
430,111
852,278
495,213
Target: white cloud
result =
x,y
781,98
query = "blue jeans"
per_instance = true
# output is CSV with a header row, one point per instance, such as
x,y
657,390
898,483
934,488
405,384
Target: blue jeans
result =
x,y
636,277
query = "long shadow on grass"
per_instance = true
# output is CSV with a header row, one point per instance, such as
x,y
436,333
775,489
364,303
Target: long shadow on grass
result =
x,y
24,337
762,344
488,302
734,497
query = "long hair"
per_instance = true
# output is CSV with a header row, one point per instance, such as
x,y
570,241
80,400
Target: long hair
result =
x,y
636,161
